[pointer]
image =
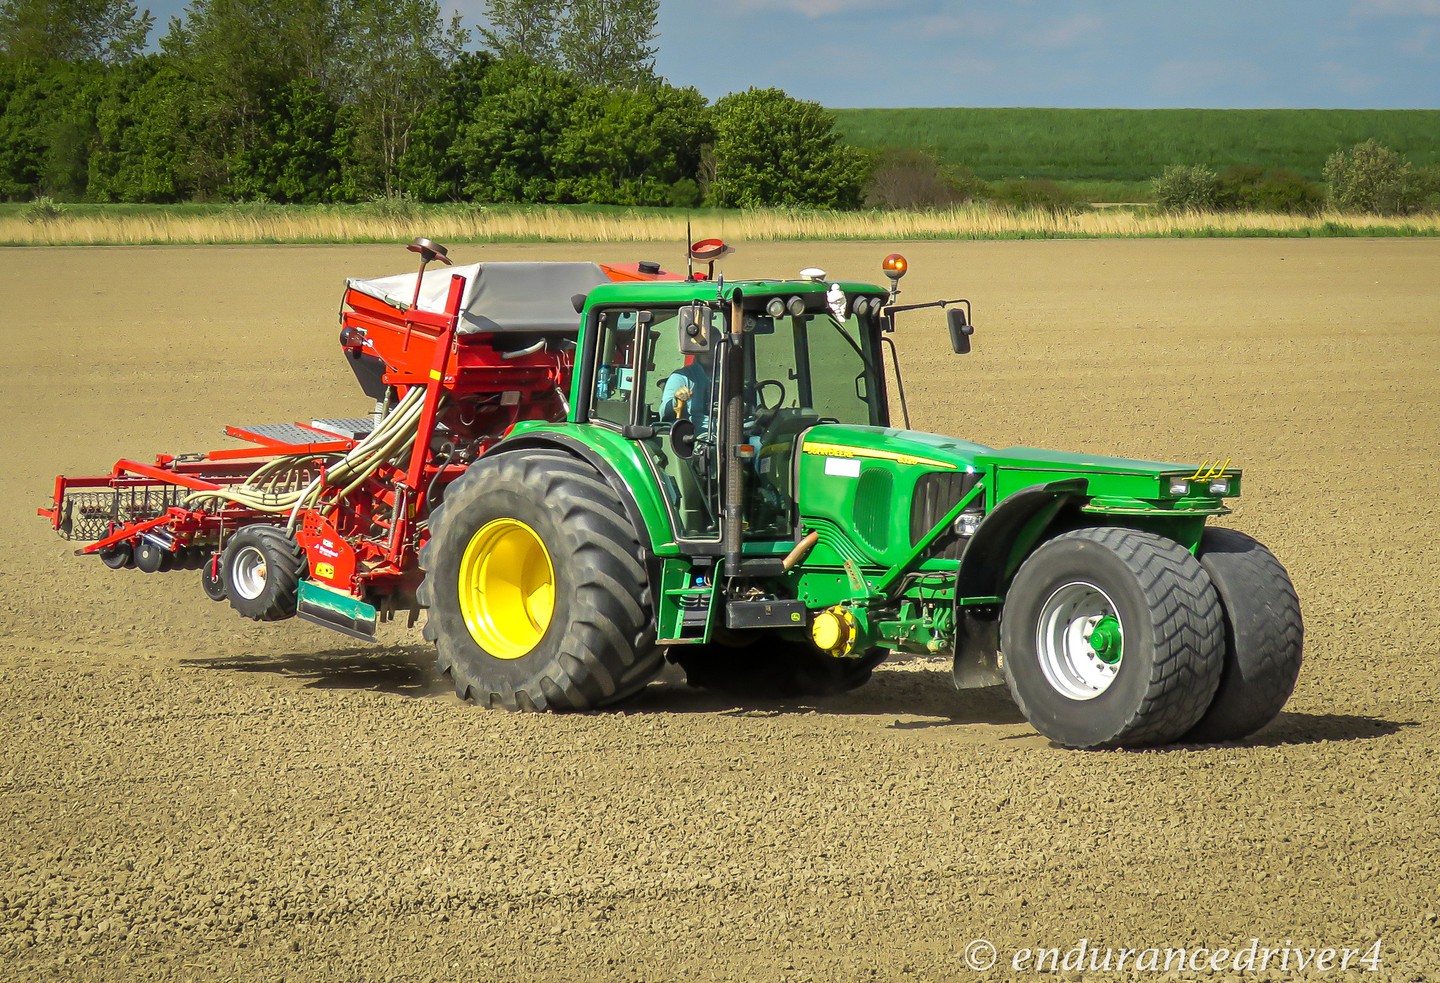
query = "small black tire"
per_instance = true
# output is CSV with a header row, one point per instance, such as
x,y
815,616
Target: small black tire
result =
x,y
1157,665
261,570
1264,636
150,558
591,642
212,581
118,557
773,668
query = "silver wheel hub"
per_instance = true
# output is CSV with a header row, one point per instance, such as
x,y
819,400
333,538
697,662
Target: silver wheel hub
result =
x,y
248,573
1077,641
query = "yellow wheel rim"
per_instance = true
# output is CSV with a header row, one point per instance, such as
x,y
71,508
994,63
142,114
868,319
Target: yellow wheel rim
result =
x,y
507,588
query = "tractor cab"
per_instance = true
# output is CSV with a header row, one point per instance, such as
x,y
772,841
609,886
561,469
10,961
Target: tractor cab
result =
x,y
711,380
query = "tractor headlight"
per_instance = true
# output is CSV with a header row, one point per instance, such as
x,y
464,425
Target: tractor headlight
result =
x,y
796,306
1220,487
967,523
1179,487
776,307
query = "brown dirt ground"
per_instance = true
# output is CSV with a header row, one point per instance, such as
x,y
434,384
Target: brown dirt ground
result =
x,y
186,795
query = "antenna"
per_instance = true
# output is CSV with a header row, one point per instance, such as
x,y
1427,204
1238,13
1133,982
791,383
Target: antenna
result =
x,y
689,256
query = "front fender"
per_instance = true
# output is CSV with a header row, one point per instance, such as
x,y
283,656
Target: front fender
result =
x,y
1009,533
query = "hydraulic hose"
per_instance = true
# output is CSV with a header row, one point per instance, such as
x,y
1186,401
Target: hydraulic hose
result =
x,y
392,437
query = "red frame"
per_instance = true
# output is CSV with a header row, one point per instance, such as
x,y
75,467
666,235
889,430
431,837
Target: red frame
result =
x,y
367,545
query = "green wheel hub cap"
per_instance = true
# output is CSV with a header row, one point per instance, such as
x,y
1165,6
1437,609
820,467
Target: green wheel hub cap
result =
x,y
1078,640
1107,641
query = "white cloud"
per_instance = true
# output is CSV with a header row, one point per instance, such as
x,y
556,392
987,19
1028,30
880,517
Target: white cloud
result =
x,y
1193,79
970,24
1418,43
1346,79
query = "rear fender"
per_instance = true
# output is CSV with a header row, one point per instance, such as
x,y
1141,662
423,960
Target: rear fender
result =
x,y
625,490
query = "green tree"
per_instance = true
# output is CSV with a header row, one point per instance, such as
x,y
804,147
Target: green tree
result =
x,y
912,178
432,168
1426,184
38,31
47,128
523,29
609,43
771,149
1256,189
633,147
1183,186
239,56
144,131
298,162
604,43
508,143
398,54
1370,177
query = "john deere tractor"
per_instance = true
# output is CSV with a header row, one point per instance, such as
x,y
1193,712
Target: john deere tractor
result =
x,y
726,490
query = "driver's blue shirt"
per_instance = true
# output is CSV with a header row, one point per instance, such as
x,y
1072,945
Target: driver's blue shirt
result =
x,y
696,378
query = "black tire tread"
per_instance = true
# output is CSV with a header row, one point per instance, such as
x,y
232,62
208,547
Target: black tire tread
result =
x,y
612,654
1186,622
1264,636
284,566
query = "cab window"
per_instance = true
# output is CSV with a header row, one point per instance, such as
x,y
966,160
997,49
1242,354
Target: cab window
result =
x,y
614,367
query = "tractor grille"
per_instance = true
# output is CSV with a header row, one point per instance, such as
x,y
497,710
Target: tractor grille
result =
x,y
935,495
90,514
872,507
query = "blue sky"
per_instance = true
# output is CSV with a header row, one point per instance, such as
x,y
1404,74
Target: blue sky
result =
x,y
1352,54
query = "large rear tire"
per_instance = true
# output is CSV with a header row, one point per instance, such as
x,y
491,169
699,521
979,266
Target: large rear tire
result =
x,y
1112,637
536,589
1264,636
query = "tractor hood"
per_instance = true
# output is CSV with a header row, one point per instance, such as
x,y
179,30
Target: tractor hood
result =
x,y
1115,483
832,453
917,448
911,448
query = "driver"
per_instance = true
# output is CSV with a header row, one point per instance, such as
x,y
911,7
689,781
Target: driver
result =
x,y
687,395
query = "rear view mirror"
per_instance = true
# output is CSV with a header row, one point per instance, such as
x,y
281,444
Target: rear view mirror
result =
x,y
682,439
697,323
960,330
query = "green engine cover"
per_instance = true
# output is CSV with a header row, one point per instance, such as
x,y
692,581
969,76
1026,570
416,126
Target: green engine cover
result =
x,y
869,490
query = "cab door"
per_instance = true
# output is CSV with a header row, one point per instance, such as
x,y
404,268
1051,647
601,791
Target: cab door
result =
x,y
644,387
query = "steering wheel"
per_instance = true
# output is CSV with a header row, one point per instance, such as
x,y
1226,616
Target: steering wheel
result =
x,y
760,401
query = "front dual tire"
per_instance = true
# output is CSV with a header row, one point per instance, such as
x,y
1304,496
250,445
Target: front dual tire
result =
x,y
1115,637
1112,638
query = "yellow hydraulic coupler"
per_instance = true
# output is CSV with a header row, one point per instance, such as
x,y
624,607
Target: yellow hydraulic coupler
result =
x,y
834,631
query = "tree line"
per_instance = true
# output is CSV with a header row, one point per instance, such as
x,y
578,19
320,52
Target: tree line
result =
x,y
311,101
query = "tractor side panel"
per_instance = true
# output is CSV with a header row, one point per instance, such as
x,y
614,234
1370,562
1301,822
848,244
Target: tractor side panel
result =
x,y
871,512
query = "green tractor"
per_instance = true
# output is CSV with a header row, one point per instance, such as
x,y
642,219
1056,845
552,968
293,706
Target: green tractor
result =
x,y
726,490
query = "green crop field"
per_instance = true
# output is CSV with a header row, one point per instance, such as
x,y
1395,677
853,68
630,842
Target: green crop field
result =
x,y
1107,151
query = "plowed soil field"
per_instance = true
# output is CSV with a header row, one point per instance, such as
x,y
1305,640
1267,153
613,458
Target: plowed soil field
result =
x,y
186,795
